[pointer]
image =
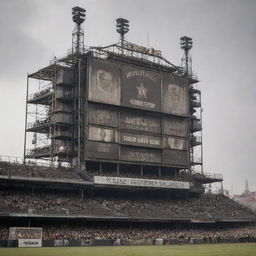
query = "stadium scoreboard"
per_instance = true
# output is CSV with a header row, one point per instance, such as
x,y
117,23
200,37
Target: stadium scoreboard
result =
x,y
136,114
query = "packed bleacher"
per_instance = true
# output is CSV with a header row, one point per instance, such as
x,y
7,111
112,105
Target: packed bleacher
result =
x,y
207,206
32,170
106,232
114,204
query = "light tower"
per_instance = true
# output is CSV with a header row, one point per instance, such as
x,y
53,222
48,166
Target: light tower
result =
x,y
186,61
122,27
195,120
78,15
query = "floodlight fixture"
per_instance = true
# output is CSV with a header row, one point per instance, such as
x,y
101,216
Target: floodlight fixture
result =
x,y
186,43
122,27
78,15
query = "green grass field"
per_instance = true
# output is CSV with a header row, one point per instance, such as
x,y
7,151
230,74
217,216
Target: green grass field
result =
x,y
172,250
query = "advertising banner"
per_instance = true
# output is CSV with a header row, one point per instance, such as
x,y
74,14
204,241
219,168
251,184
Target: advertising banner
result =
x,y
61,242
118,181
141,140
140,121
141,88
29,242
102,150
140,154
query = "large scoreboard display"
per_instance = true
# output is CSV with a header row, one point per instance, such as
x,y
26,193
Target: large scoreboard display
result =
x,y
136,115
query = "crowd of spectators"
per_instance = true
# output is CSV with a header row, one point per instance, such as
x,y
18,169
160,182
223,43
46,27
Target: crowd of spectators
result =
x,y
25,233
133,233
208,206
32,170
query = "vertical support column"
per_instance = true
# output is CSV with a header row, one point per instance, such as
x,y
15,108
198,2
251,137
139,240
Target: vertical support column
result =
x,y
82,194
201,118
141,170
79,117
100,167
118,169
53,106
159,171
26,121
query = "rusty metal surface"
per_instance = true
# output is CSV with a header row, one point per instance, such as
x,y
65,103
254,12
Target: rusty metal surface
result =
x,y
103,115
174,143
61,107
174,95
101,150
141,88
104,82
64,118
65,77
140,154
103,134
175,126
175,157
140,140
140,121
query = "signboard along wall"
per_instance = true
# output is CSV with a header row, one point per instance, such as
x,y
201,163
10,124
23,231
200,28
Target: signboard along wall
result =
x,y
136,154
140,121
174,95
104,82
141,88
120,181
102,150
175,157
141,140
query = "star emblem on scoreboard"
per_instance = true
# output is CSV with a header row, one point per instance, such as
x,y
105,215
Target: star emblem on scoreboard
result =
x,y
142,91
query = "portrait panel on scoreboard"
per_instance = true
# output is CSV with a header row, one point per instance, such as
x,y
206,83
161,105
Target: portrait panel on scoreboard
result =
x,y
141,88
104,82
174,95
176,143
104,134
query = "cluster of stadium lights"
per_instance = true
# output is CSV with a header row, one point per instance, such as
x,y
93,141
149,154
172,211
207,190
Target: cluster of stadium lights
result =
x,y
186,43
78,15
122,27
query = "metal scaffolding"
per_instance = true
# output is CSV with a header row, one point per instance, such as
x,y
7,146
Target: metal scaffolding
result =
x,y
195,118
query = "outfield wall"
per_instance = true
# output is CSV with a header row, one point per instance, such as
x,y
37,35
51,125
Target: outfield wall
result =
x,y
127,242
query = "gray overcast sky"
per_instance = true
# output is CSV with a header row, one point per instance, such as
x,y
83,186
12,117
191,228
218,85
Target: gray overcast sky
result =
x,y
224,36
